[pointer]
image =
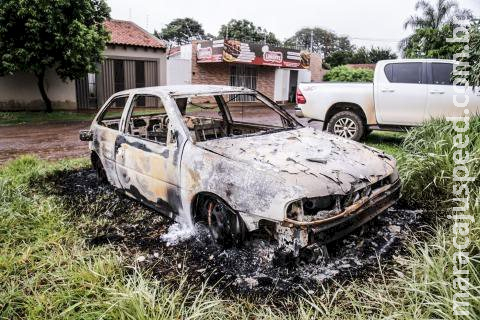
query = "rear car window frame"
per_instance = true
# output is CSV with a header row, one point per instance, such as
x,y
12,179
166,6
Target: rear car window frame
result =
x,y
388,71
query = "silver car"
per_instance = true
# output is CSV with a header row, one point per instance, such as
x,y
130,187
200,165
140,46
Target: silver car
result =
x,y
232,158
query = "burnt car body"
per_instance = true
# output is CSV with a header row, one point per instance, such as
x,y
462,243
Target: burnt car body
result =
x,y
300,185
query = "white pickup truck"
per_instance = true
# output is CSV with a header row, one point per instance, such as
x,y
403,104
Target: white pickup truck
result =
x,y
404,94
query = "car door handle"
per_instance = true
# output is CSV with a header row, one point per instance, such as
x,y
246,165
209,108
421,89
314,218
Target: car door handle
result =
x,y
388,90
437,92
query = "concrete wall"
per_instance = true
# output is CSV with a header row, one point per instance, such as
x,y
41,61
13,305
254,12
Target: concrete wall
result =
x,y
20,92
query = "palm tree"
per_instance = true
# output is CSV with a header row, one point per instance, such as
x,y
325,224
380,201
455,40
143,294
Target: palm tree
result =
x,y
436,15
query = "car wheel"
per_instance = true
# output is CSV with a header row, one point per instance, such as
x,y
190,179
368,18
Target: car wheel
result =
x,y
347,124
225,225
99,170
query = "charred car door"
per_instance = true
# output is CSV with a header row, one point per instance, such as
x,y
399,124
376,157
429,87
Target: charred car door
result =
x,y
148,154
106,131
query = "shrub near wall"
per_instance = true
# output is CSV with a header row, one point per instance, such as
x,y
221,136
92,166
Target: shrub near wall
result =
x,y
346,74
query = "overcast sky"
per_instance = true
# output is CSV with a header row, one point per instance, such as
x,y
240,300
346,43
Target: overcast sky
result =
x,y
366,22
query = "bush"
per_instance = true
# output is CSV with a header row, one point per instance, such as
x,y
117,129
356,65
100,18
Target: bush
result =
x,y
346,74
426,165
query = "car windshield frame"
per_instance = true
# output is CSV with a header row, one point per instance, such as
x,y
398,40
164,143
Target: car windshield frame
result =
x,y
289,120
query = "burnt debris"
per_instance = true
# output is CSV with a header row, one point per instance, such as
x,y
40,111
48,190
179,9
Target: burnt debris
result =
x,y
256,268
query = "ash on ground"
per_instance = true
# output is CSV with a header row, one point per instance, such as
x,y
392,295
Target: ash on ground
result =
x,y
253,268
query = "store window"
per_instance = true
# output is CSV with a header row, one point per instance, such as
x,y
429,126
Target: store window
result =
x,y
243,76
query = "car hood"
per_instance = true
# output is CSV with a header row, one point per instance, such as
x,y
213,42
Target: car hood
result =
x,y
318,162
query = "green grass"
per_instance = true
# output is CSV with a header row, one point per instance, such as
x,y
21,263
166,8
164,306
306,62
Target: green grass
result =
x,y
25,117
48,272
390,142
22,117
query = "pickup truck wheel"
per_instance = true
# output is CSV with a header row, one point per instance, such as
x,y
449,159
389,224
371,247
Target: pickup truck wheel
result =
x,y
347,124
226,226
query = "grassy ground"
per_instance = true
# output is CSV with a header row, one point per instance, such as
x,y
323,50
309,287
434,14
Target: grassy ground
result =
x,y
21,117
48,271
390,142
25,117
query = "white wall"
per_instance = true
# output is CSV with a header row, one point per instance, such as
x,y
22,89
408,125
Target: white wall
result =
x,y
179,71
20,92
304,76
282,77
282,82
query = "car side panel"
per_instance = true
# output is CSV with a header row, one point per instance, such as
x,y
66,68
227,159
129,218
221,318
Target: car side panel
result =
x,y
237,184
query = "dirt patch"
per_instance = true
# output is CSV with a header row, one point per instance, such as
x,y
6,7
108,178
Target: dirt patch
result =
x,y
59,140
256,268
50,141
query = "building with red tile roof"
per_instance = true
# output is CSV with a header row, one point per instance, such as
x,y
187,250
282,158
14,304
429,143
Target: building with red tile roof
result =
x,y
132,58
130,34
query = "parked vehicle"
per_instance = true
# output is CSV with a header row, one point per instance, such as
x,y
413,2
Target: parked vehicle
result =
x,y
404,94
174,150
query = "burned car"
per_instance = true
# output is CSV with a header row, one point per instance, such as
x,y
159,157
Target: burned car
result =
x,y
232,158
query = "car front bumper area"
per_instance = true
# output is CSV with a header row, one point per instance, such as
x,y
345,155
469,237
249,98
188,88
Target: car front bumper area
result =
x,y
294,235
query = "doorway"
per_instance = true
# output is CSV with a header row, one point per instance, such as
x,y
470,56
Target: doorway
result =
x,y
292,85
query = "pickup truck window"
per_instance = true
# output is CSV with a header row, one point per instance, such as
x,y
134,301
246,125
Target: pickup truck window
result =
x,y
442,73
410,72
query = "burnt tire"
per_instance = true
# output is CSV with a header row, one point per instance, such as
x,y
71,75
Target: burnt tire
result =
x,y
99,169
347,124
225,225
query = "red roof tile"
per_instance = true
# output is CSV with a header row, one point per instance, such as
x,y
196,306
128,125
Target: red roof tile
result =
x,y
129,33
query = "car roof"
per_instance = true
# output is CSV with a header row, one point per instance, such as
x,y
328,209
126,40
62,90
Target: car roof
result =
x,y
188,90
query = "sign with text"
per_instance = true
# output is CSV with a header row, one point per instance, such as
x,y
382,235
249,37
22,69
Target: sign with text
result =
x,y
234,51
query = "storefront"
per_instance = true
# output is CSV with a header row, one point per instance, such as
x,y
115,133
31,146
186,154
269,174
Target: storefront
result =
x,y
274,71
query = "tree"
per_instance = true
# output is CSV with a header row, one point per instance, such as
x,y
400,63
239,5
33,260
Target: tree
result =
x,y
432,21
361,55
323,41
245,30
435,16
66,35
338,58
182,31
377,54
430,43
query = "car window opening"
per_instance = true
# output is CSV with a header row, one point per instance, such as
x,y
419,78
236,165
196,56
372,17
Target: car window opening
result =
x,y
148,119
217,116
